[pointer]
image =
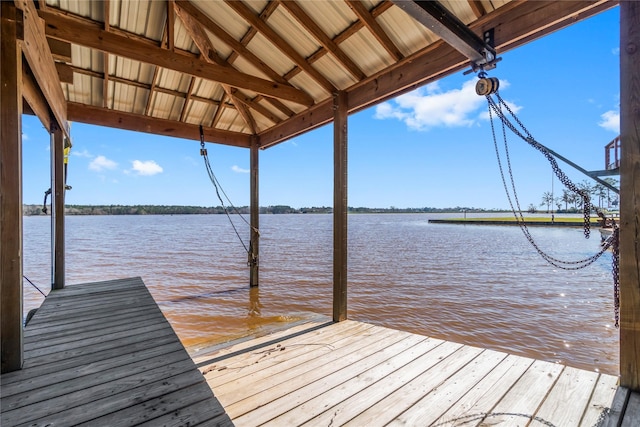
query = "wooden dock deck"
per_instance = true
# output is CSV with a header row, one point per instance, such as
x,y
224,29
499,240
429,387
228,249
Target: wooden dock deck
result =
x,y
357,374
103,354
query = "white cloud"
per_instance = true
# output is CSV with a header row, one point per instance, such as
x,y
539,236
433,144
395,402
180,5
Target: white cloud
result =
x,y
238,169
610,121
615,51
101,163
430,107
83,153
25,137
147,167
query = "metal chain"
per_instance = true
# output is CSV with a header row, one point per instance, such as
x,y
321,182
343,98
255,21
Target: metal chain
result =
x,y
612,242
566,265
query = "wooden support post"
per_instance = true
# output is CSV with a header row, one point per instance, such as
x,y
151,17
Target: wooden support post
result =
x,y
340,110
254,252
11,336
629,195
57,207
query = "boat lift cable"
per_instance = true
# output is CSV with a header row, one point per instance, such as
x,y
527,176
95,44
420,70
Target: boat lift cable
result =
x,y
32,284
218,188
489,86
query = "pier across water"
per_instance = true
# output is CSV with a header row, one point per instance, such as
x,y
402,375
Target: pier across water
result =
x,y
102,354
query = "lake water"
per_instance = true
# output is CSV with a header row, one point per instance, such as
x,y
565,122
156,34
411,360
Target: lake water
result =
x,y
474,284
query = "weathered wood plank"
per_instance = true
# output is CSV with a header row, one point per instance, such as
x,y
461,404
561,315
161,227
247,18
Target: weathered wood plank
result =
x,y
632,412
601,400
619,404
573,385
522,400
88,360
315,383
357,384
264,363
484,396
400,400
340,357
428,409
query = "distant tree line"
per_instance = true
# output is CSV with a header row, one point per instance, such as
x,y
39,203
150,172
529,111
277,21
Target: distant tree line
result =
x,y
33,210
571,202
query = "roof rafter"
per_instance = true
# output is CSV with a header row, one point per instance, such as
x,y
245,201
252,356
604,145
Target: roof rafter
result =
x,y
247,14
139,123
84,34
314,29
477,8
369,21
526,21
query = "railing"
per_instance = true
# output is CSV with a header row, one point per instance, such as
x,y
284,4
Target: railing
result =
x,y
612,149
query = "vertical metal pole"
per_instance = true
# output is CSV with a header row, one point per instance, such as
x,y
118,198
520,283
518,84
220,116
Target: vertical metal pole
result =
x,y
255,214
340,206
630,194
57,207
11,335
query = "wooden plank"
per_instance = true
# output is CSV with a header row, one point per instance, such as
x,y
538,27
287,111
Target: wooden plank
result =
x,y
618,406
357,384
319,381
75,391
84,34
629,188
65,73
428,409
600,402
144,399
208,355
400,400
41,62
575,386
480,399
88,363
274,362
632,412
11,190
200,414
523,399
340,206
61,51
274,386
378,32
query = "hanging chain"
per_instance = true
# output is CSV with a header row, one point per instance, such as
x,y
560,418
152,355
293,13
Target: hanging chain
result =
x,y
612,241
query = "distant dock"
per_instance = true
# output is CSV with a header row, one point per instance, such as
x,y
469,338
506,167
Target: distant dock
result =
x,y
535,221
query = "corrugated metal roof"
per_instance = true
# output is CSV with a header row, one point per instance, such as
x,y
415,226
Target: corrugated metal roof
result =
x,y
146,88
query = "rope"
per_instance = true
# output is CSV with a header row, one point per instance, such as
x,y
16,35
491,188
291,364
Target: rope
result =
x,y
32,284
219,189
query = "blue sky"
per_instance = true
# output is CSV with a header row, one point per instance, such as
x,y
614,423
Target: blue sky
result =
x,y
429,148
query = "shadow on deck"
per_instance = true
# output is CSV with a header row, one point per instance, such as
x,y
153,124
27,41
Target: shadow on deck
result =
x,y
103,354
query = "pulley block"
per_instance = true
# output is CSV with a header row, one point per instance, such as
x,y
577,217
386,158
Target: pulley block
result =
x,y
487,86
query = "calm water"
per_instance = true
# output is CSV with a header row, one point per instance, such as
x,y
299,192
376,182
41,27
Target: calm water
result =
x,y
480,285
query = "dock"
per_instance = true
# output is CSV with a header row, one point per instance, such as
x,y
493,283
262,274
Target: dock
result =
x,y
357,374
103,354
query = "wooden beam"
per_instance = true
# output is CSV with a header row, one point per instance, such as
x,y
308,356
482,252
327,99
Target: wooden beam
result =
x,y
61,51
138,123
477,8
629,195
254,248
171,20
36,50
105,57
57,208
314,29
528,21
78,32
209,54
11,337
65,73
239,48
340,206
245,12
378,32
34,97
